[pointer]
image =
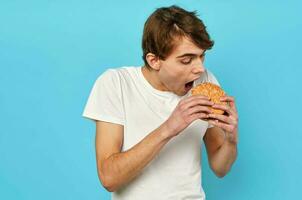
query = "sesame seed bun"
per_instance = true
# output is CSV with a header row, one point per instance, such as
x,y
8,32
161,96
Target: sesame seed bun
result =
x,y
211,90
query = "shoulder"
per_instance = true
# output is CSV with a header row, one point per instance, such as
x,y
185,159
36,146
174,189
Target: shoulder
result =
x,y
108,74
108,80
114,74
115,79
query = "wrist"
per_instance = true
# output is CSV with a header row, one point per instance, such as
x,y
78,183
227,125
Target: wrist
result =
x,y
166,132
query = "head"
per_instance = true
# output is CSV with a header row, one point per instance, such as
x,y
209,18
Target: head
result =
x,y
174,44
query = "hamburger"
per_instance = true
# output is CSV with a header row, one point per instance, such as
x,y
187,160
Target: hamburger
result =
x,y
213,91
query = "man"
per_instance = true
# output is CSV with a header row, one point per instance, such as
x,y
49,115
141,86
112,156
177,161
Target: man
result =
x,y
149,129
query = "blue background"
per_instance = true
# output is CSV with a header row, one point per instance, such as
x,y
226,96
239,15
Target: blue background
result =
x,y
51,52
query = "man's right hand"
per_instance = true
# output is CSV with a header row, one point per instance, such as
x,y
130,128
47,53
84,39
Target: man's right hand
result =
x,y
188,110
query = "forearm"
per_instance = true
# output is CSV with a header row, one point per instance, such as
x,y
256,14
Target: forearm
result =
x,y
224,158
120,168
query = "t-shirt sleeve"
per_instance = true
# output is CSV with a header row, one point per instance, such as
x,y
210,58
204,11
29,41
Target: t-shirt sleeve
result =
x,y
105,100
212,79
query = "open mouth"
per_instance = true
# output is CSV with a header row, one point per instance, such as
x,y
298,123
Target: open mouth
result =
x,y
189,85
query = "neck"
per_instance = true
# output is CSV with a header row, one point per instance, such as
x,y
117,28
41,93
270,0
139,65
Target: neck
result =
x,y
151,76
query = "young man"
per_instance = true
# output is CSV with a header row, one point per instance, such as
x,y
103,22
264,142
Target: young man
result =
x,y
149,129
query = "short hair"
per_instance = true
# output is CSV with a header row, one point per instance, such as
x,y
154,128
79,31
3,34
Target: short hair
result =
x,y
166,25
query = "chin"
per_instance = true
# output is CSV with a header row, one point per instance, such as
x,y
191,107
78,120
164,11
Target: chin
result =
x,y
181,93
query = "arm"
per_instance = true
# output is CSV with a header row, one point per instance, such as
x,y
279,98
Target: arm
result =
x,y
221,151
116,168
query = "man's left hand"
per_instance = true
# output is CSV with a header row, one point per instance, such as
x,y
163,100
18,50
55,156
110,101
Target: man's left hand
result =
x,y
228,122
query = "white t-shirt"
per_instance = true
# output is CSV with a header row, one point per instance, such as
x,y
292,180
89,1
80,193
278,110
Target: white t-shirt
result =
x,y
124,96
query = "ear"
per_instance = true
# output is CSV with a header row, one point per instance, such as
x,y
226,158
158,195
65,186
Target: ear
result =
x,y
153,61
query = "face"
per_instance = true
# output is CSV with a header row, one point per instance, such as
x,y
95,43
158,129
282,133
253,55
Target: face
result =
x,y
183,65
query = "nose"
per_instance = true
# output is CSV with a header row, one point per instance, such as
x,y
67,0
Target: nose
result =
x,y
198,68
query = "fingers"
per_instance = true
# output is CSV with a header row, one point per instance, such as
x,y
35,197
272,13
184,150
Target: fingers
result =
x,y
191,98
198,106
197,109
196,116
230,100
225,119
197,100
225,108
224,126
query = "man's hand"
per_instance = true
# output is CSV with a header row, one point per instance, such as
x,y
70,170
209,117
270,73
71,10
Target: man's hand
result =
x,y
188,110
228,122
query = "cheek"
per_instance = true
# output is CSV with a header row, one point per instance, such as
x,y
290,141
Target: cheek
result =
x,y
167,72
173,75
174,71
173,79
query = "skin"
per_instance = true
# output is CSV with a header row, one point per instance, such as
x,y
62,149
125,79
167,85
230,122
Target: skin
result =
x,y
184,64
116,168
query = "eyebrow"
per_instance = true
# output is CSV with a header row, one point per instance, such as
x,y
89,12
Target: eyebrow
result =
x,y
189,54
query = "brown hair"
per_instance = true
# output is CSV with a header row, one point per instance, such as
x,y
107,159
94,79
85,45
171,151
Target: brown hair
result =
x,y
166,25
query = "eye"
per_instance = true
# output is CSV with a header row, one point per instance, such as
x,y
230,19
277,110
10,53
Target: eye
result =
x,y
186,61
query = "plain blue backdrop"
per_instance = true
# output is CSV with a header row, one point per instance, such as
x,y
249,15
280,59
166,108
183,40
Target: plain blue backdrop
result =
x,y
51,52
